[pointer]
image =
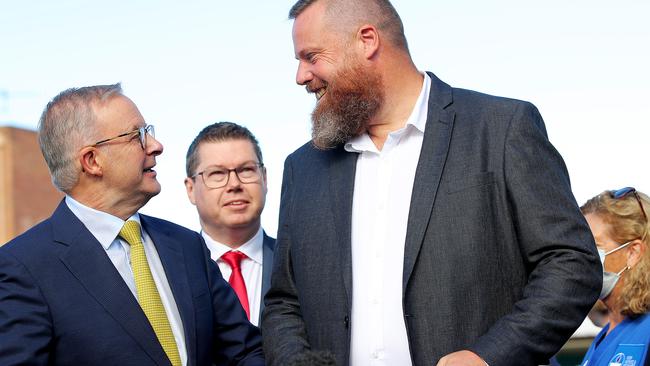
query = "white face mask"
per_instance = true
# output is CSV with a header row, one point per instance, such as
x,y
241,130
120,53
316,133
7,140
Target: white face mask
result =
x,y
609,278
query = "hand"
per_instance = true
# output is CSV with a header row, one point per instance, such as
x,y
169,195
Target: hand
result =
x,y
461,358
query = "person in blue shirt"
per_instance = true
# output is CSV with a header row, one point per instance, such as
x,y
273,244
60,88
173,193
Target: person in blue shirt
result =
x,y
619,222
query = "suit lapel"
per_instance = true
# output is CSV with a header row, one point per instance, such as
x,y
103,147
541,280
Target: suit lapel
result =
x,y
435,146
173,262
343,166
268,245
88,262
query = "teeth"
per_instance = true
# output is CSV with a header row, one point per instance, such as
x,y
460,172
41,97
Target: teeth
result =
x,y
319,93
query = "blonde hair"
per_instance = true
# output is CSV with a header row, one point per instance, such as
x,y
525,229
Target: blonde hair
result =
x,y
626,222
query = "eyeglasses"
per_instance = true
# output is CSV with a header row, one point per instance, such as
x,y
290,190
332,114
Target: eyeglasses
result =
x,y
217,176
624,192
142,134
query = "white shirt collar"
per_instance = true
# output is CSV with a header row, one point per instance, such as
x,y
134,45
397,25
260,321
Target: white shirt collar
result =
x,y
417,120
253,248
104,226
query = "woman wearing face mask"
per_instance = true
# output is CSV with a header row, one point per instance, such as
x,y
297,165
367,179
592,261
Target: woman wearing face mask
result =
x,y
618,219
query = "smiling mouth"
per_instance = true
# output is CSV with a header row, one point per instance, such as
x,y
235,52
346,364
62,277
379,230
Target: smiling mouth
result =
x,y
236,203
319,93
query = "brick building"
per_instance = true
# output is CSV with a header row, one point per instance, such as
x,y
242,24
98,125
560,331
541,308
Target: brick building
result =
x,y
27,195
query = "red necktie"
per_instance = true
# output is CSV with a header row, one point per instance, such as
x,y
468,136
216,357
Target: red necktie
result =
x,y
233,259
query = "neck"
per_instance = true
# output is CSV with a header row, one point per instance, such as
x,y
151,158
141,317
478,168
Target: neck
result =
x,y
234,238
615,318
99,200
401,90
614,314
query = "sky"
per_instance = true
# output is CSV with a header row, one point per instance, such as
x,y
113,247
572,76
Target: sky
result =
x,y
188,64
584,64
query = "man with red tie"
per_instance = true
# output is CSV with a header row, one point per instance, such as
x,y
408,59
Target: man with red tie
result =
x,y
226,181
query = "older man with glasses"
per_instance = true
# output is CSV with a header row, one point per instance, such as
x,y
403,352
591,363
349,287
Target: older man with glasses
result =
x,y
99,284
226,180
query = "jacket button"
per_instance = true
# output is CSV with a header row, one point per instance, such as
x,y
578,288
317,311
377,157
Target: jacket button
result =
x,y
346,321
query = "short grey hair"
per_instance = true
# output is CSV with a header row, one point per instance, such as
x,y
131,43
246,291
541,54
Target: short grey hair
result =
x,y
349,14
66,125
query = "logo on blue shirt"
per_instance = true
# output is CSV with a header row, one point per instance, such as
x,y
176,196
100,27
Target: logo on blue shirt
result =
x,y
627,355
617,360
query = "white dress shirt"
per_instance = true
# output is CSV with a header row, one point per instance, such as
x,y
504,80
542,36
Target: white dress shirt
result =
x,y
251,267
382,196
105,228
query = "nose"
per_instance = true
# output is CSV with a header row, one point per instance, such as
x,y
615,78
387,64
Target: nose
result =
x,y
303,75
233,180
154,147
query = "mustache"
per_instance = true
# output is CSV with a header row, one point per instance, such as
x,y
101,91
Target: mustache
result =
x,y
313,86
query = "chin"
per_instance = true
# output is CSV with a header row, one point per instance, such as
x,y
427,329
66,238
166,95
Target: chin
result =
x,y
240,222
153,188
150,193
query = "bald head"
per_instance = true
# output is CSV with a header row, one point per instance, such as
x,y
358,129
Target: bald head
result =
x,y
347,16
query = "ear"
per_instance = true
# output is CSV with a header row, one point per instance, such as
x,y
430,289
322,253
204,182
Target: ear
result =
x,y
90,161
369,40
189,187
635,252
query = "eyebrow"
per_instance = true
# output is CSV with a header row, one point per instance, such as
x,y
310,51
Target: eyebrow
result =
x,y
238,165
141,124
304,52
300,55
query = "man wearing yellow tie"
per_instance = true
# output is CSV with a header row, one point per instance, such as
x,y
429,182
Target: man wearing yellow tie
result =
x,y
99,284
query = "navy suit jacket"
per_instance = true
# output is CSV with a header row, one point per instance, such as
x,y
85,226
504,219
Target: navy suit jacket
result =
x,y
268,245
62,302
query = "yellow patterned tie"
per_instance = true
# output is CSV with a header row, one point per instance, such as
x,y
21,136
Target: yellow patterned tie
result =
x,y
148,295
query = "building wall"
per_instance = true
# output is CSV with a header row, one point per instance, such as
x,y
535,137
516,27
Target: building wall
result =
x,y
27,195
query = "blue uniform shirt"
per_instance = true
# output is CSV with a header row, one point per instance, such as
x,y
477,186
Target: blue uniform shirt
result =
x,y
626,345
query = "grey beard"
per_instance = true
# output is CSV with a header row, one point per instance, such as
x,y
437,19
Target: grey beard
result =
x,y
330,129
337,123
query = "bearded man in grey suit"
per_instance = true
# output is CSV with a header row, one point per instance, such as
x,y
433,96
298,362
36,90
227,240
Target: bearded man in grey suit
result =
x,y
423,224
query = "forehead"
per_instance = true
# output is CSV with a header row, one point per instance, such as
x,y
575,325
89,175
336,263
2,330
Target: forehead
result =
x,y
226,152
118,114
310,28
599,228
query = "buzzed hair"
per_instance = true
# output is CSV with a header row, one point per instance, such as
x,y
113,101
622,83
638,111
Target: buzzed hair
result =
x,y
353,13
219,132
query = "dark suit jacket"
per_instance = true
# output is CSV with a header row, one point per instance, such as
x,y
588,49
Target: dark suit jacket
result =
x,y
497,259
268,245
62,302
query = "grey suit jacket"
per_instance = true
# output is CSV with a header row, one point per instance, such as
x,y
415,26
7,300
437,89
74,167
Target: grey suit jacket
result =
x,y
498,258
